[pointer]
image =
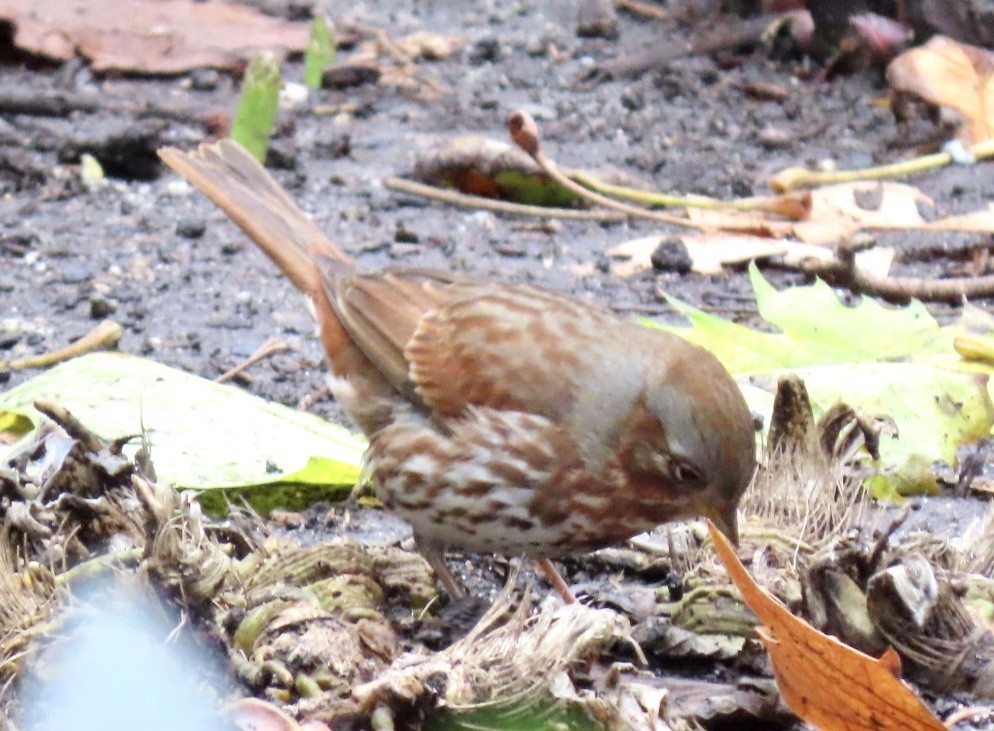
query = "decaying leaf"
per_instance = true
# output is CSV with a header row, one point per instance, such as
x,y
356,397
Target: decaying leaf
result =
x,y
490,168
947,647
149,36
839,212
825,682
203,434
956,76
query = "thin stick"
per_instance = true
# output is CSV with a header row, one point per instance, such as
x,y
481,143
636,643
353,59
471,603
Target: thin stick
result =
x,y
790,205
519,209
842,270
105,335
524,133
796,177
270,347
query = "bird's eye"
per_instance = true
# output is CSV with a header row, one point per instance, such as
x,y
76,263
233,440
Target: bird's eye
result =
x,y
685,472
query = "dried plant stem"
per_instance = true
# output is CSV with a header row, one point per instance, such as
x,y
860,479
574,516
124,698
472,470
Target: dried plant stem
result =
x,y
103,336
797,177
270,347
842,271
463,200
790,206
524,133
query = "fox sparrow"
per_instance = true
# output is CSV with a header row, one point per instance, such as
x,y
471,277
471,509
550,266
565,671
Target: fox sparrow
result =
x,y
501,417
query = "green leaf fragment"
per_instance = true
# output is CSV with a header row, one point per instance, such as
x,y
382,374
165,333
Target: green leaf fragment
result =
x,y
891,361
256,112
536,190
320,53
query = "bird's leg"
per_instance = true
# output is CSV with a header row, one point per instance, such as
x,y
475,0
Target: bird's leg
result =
x,y
435,556
552,575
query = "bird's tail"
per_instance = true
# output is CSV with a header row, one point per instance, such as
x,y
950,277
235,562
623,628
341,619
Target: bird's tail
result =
x,y
227,174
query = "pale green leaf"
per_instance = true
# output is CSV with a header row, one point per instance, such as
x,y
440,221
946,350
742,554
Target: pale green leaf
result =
x,y
891,361
203,434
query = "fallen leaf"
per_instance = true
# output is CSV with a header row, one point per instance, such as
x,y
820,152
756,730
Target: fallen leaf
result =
x,y
485,167
953,75
708,252
203,435
889,361
837,214
826,683
150,36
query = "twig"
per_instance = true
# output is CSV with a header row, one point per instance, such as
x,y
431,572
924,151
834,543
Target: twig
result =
x,y
842,271
643,9
105,335
312,398
727,35
797,177
270,347
524,133
473,201
792,206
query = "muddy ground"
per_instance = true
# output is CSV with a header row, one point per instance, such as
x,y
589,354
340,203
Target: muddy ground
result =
x,y
193,293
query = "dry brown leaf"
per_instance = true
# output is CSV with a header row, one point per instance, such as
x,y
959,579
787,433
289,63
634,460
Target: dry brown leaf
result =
x,y
709,252
826,683
977,222
837,214
149,36
953,75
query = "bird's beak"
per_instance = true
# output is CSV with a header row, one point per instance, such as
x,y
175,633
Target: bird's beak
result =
x,y
725,519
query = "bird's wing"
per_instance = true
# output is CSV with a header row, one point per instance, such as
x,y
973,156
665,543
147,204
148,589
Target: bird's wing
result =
x,y
453,343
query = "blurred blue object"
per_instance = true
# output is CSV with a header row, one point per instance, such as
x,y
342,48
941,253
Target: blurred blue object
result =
x,y
116,666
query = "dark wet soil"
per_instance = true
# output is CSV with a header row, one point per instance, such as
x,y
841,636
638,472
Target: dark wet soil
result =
x,y
193,293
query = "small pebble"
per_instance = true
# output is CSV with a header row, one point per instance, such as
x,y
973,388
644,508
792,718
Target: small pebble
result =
x,y
204,79
773,137
597,19
671,256
101,306
485,50
348,75
73,272
294,95
404,235
191,228
400,250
